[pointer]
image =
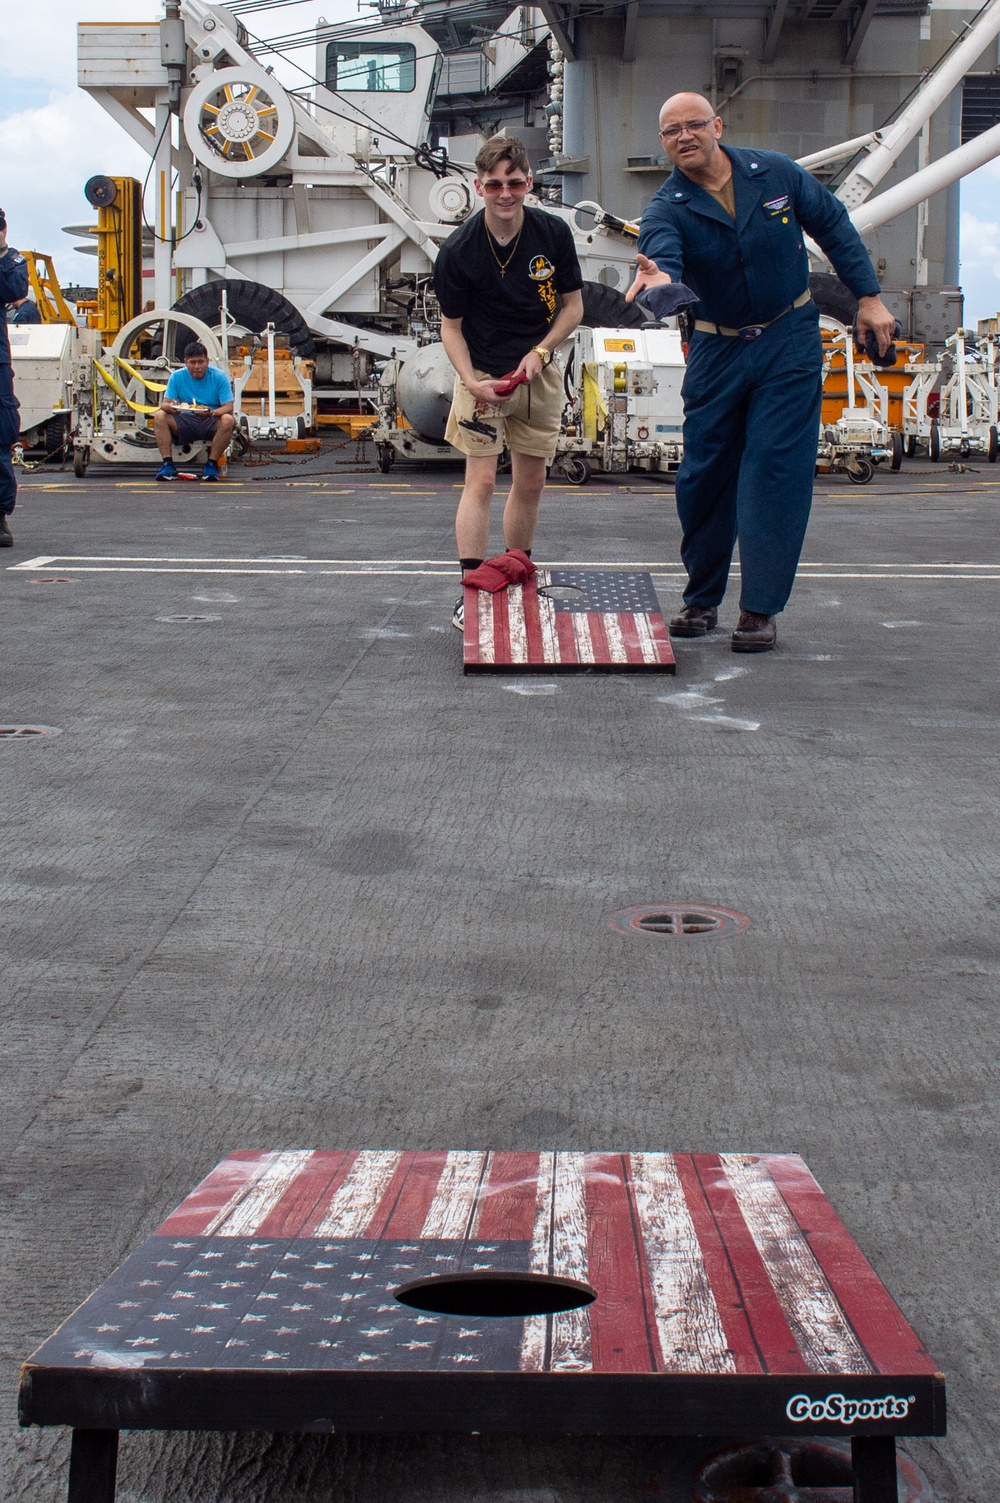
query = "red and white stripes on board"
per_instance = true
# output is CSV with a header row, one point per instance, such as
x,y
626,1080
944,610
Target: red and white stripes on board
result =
x,y
479,631
687,1317
451,1212
249,1210
518,626
559,1343
821,1331
350,1211
701,1262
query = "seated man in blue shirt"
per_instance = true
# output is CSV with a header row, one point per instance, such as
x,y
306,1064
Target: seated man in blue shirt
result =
x,y
197,407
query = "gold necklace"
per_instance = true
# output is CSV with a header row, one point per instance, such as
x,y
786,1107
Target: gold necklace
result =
x,y
503,265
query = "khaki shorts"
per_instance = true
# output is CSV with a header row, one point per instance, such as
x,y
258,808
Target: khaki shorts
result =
x,y
527,423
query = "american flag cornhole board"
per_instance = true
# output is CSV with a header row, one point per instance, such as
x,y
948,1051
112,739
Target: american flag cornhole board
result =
x,y
730,1299
568,621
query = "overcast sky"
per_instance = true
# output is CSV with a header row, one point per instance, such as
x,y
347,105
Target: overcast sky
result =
x,y
53,137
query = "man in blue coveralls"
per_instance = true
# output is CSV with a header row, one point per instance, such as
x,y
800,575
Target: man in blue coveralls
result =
x,y
13,287
729,222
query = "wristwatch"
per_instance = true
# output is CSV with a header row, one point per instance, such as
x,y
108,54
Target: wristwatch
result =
x,y
543,354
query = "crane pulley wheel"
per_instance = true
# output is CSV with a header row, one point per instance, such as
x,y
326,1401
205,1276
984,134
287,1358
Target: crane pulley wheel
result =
x,y
239,122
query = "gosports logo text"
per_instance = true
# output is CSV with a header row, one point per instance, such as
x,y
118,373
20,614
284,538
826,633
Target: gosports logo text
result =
x,y
846,1411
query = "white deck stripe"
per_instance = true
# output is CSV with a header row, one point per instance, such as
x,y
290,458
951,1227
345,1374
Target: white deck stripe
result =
x,y
656,566
451,1211
534,1336
517,627
354,1203
687,1316
433,569
818,1324
487,647
262,1196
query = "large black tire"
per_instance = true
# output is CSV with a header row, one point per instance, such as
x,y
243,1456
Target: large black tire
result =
x,y
252,305
934,442
605,308
832,298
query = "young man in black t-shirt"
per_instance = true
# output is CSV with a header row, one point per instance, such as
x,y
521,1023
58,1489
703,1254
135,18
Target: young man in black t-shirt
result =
x,y
509,286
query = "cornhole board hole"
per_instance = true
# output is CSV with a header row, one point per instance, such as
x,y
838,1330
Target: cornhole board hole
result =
x,y
586,1294
568,621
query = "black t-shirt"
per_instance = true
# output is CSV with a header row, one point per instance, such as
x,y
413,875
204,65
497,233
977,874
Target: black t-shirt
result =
x,y
503,316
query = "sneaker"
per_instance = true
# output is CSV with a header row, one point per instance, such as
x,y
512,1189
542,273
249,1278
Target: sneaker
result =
x,y
210,471
167,470
458,616
6,536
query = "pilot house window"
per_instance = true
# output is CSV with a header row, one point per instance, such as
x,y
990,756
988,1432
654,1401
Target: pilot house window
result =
x,y
371,67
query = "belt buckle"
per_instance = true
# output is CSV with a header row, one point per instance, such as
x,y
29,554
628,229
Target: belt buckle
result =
x,y
751,331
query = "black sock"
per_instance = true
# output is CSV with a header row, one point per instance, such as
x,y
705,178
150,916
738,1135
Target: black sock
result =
x,y
469,563
525,551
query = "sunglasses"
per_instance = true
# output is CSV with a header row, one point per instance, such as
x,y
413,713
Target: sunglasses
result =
x,y
671,132
494,185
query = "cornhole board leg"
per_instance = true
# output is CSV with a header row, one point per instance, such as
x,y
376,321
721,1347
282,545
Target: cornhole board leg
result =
x,y
568,621
93,1466
874,1458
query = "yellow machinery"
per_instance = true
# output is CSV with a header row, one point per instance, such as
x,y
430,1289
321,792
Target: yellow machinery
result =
x,y
118,201
52,306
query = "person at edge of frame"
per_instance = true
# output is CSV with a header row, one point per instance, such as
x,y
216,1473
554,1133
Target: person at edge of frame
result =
x,y
13,287
23,310
197,407
510,290
730,222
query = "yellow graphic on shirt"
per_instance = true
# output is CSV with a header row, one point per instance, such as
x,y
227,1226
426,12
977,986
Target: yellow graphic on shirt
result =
x,y
547,293
541,271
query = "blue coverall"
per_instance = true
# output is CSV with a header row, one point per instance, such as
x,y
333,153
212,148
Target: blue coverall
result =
x,y
13,285
27,314
751,406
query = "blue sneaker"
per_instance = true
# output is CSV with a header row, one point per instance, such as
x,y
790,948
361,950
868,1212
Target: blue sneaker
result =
x,y
167,470
211,470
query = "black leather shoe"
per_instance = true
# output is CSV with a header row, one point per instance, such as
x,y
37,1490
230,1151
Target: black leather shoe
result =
x,y
6,536
754,633
694,621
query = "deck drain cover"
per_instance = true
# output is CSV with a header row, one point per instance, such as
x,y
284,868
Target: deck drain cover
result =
x,y
803,1471
179,620
25,732
495,1294
54,579
678,919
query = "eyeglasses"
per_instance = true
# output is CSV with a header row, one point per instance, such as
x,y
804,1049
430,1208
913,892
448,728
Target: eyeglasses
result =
x,y
494,185
691,126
